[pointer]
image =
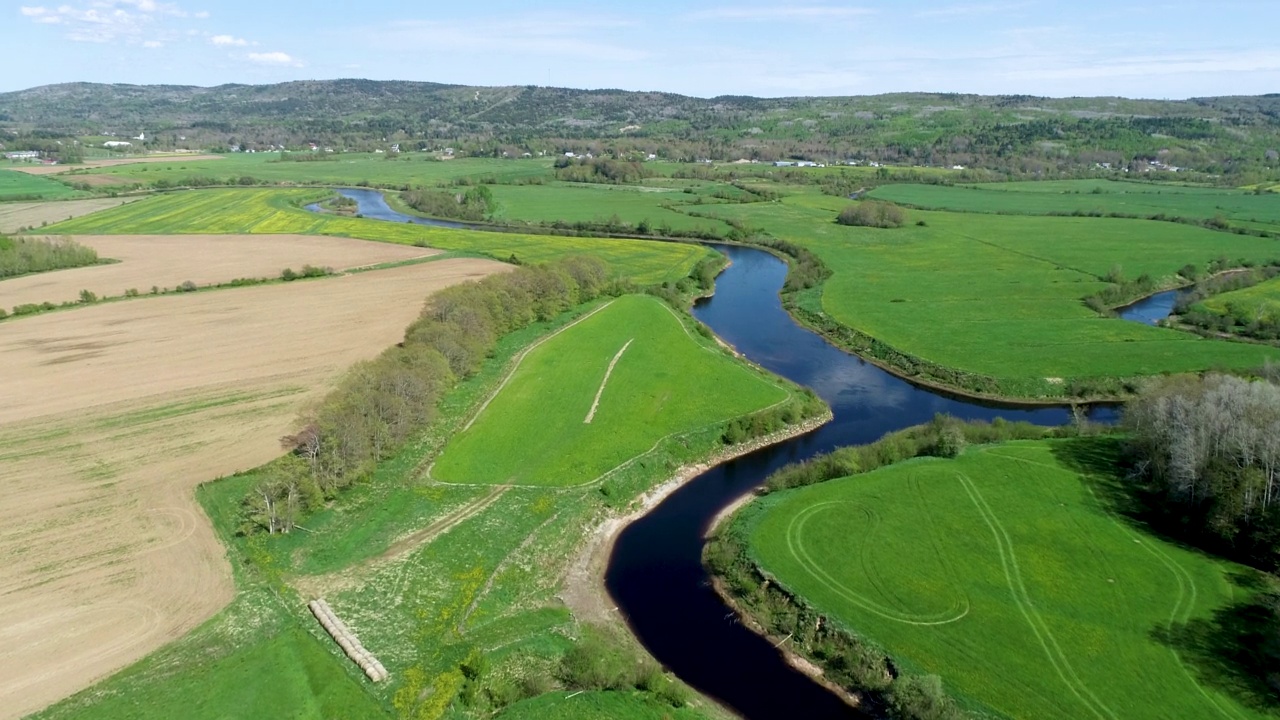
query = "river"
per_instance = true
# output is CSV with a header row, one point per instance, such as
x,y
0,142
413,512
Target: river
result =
x,y
655,573
1152,309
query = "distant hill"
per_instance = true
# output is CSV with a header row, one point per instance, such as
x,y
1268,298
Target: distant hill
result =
x,y
1211,134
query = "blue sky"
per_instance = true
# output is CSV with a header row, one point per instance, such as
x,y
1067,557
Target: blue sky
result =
x,y
1136,48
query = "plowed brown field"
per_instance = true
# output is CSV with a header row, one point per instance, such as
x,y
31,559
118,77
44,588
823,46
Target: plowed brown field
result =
x,y
113,413
167,261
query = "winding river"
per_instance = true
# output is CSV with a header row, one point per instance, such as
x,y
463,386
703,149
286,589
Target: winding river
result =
x,y
655,573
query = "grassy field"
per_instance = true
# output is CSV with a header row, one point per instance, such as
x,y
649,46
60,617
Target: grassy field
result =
x,y
658,386
1003,296
600,203
258,211
428,574
21,186
377,169
1005,572
1261,300
1091,196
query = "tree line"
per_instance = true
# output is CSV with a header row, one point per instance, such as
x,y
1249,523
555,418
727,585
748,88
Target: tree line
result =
x,y
381,403
23,255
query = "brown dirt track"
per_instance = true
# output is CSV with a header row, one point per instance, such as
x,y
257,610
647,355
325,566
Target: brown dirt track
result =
x,y
169,260
114,413
19,215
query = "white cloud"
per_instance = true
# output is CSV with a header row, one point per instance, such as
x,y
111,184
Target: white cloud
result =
x,y
801,13
969,10
228,40
202,15
274,58
105,21
152,44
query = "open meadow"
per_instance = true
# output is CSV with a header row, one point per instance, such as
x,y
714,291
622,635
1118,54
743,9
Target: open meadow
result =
x,y
114,413
21,186
1093,197
600,393
276,211
167,261
38,169
1003,296
1006,572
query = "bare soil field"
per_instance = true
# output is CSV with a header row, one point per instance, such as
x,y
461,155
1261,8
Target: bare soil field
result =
x,y
167,261
101,180
19,215
114,413
34,169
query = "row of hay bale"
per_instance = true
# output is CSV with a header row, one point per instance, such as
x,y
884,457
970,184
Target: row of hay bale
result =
x,y
347,640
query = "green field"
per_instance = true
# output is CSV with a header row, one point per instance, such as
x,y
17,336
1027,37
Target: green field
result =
x,y
600,203
1092,196
1002,296
660,385
343,169
16,185
1260,301
430,573
1005,573
259,211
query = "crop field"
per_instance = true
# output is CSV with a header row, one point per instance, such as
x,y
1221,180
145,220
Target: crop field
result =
x,y
1260,301
259,211
167,261
1092,196
1003,295
343,169
17,185
638,363
113,161
1005,573
16,216
114,413
599,203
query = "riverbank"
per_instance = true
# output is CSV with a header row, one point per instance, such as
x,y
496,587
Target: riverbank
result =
x,y
585,593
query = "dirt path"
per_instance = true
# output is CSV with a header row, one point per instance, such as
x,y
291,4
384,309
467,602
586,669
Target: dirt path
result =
x,y
595,404
112,415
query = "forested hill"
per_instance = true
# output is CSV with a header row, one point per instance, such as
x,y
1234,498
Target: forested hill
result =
x,y
927,128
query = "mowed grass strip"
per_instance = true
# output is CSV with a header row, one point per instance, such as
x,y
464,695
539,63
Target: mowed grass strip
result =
x,y
533,431
1002,572
18,185
1003,296
274,211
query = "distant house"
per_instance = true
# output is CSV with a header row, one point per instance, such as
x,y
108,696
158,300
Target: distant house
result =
x,y
116,144
806,163
783,163
22,155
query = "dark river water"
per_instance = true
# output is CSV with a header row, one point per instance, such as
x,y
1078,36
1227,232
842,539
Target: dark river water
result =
x,y
655,573
1150,310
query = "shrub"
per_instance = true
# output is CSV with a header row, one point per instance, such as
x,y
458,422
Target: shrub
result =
x,y
872,213
187,286
88,297
920,697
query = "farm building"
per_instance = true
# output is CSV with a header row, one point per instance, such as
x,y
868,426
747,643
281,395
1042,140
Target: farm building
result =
x,y
22,155
116,144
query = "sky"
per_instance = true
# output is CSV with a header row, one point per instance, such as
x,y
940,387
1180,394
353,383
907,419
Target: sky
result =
x,y
1134,48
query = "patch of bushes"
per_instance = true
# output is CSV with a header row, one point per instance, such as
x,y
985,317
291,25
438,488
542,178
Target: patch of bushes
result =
x,y
473,205
308,271
771,420
872,213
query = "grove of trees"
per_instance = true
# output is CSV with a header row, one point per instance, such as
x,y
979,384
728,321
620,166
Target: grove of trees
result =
x,y
23,255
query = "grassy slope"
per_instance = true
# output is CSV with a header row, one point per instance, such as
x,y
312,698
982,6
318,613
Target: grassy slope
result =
x,y
1001,295
598,203
1089,196
1043,603
274,211
593,706
662,384
491,583
1262,299
20,184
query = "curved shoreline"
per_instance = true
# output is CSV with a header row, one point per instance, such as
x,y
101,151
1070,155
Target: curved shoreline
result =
x,y
585,592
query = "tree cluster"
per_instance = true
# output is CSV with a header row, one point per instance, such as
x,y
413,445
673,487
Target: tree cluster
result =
x,y
381,403
22,255
872,213
1207,451
473,205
